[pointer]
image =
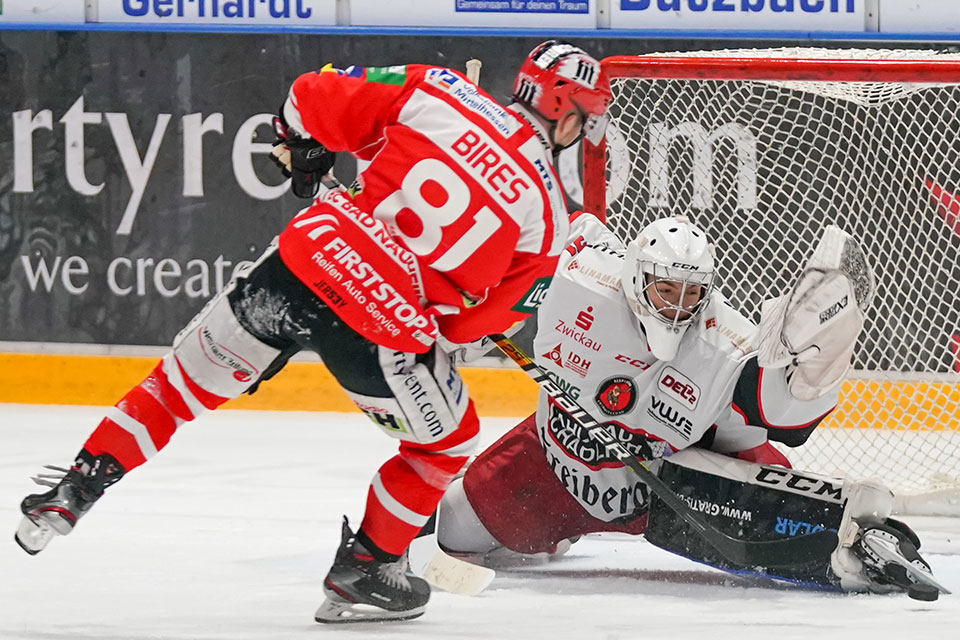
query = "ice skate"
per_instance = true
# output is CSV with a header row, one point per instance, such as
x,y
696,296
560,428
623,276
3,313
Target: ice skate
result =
x,y
360,588
72,493
889,551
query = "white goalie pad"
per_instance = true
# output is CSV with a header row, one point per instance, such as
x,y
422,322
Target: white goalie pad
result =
x,y
867,503
815,326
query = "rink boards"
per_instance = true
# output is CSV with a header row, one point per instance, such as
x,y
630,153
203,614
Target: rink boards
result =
x,y
308,386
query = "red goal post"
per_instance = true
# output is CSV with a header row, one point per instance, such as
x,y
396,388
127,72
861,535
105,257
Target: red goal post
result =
x,y
765,147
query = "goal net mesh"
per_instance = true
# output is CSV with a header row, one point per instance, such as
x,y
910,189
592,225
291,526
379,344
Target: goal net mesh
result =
x,y
764,166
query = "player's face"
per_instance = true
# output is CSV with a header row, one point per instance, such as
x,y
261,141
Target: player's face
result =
x,y
671,298
569,128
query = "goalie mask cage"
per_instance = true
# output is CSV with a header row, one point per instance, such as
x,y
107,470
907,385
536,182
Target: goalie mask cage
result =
x,y
763,149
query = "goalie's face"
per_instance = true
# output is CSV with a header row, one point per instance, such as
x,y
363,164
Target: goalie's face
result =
x,y
668,275
677,301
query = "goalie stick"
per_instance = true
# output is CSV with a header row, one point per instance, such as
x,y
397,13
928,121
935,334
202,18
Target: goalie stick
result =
x,y
442,570
771,553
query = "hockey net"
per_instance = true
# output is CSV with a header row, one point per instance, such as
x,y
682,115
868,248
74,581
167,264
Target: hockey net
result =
x,y
763,148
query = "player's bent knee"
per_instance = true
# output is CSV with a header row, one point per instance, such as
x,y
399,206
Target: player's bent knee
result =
x,y
429,404
218,354
458,527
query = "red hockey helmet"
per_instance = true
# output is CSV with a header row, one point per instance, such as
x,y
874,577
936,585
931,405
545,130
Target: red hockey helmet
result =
x,y
558,77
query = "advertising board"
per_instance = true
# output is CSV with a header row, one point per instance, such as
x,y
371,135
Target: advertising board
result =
x,y
227,12
785,15
913,16
571,14
42,11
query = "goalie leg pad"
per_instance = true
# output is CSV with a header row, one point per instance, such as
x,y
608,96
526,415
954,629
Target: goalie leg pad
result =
x,y
751,501
458,528
757,502
460,532
814,328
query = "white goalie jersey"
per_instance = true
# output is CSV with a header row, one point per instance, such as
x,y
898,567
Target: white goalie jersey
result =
x,y
592,345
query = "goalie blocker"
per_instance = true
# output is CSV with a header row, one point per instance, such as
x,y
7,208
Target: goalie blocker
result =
x,y
758,503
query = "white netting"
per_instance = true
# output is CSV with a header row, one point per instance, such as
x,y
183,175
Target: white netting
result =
x,y
764,166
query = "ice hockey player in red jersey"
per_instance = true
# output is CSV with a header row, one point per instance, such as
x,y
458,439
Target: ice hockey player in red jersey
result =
x,y
451,232
640,336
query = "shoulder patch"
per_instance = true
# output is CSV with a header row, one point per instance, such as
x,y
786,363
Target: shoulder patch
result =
x,y
395,75
466,93
616,395
443,78
728,329
352,71
534,296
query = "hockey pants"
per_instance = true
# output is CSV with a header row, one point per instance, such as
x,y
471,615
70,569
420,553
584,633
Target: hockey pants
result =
x,y
247,333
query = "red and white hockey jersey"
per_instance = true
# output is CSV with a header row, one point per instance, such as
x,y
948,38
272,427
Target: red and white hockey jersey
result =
x,y
459,210
712,394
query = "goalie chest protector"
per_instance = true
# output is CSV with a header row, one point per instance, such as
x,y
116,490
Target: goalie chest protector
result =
x,y
592,345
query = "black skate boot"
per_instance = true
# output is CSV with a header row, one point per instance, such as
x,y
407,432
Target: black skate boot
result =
x,y
73,493
360,588
889,552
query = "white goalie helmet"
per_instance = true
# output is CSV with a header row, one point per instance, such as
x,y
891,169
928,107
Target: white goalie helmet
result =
x,y
668,275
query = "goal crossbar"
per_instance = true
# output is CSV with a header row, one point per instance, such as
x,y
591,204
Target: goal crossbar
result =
x,y
771,69
776,68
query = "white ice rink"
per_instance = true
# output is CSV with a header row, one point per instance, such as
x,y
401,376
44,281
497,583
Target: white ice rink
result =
x,y
227,534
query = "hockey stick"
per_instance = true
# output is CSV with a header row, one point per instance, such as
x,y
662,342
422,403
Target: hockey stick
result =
x,y
473,70
773,553
427,559
442,570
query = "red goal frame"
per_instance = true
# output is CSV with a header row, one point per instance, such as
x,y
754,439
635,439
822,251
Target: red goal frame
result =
x,y
921,71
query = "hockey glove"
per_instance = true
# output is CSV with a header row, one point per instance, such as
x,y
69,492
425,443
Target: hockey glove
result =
x,y
304,160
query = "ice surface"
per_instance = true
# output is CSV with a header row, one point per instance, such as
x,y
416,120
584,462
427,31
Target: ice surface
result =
x,y
228,532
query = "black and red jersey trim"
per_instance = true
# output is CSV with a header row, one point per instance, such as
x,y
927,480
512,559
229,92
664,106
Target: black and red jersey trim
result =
x,y
747,402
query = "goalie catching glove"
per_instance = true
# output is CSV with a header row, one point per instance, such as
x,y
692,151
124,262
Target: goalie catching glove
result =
x,y
304,160
813,329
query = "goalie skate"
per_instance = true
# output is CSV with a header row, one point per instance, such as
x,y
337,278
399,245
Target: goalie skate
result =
x,y
892,554
359,588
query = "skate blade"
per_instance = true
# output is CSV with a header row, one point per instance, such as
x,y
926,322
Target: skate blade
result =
x,y
33,536
916,574
338,611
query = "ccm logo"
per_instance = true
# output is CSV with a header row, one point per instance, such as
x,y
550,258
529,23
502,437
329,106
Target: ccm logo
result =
x,y
790,481
674,382
633,362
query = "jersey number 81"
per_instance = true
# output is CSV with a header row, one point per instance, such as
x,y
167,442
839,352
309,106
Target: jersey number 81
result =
x,y
434,218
